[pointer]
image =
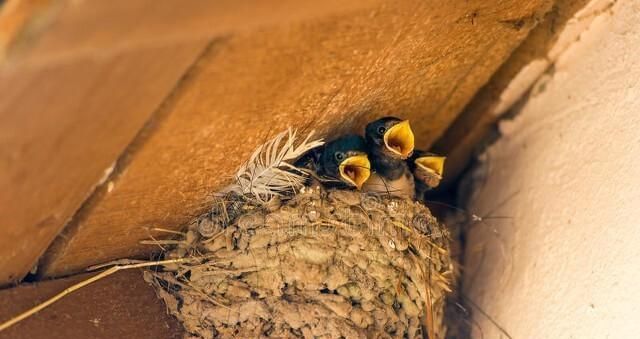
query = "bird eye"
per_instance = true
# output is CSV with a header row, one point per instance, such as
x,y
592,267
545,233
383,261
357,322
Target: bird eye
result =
x,y
340,156
381,130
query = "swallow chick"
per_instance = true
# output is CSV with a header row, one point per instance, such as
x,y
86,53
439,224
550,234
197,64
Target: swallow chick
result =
x,y
390,141
341,163
427,169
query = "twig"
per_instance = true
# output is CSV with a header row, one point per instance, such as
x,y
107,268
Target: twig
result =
x,y
158,229
183,285
114,263
154,241
430,328
486,315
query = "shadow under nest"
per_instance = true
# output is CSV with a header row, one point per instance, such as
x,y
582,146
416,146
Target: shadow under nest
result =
x,y
322,264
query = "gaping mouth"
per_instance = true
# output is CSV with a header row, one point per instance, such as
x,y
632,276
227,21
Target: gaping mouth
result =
x,y
399,139
431,164
355,170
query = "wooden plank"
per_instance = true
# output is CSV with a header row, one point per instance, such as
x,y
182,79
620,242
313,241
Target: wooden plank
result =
x,y
62,127
16,16
120,306
85,28
74,97
474,124
421,60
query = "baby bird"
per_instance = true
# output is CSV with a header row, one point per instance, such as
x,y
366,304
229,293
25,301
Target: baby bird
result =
x,y
390,142
427,169
341,163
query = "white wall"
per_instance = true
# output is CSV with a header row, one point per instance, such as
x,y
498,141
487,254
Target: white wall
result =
x,y
567,265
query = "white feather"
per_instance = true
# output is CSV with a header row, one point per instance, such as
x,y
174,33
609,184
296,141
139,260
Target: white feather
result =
x,y
269,171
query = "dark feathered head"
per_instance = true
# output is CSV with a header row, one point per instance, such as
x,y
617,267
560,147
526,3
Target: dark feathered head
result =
x,y
390,136
346,159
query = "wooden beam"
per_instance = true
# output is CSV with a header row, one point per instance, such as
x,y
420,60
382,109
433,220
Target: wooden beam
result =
x,y
75,95
120,306
62,128
416,59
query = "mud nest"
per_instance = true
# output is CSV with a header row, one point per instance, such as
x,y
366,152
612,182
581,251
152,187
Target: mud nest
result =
x,y
324,264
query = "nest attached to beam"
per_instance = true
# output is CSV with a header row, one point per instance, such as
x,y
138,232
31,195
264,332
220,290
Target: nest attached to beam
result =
x,y
317,264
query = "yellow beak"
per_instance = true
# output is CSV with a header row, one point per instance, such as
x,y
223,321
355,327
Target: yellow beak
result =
x,y
355,170
399,139
431,164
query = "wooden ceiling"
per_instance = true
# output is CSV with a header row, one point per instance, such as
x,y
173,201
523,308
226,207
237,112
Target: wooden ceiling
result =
x,y
120,116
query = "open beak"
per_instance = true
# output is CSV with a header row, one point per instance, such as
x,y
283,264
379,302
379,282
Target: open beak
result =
x,y
355,170
431,164
399,139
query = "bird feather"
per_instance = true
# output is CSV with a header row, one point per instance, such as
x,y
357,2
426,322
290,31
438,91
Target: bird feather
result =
x,y
269,171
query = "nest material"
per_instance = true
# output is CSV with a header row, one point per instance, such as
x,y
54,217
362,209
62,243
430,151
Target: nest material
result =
x,y
324,264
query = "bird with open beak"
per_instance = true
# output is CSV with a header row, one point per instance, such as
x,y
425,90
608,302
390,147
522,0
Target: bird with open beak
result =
x,y
390,142
341,163
427,169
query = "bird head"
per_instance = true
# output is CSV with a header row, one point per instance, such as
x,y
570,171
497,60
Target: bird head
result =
x,y
346,159
428,167
391,136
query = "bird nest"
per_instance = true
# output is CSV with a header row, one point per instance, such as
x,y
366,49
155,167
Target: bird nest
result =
x,y
319,263
323,264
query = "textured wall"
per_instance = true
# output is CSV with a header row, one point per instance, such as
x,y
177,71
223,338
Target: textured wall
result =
x,y
567,172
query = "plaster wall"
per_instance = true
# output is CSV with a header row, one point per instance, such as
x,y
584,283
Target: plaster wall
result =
x,y
566,173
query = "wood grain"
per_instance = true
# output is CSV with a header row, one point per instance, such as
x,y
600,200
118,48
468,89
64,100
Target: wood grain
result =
x,y
94,28
416,59
120,306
